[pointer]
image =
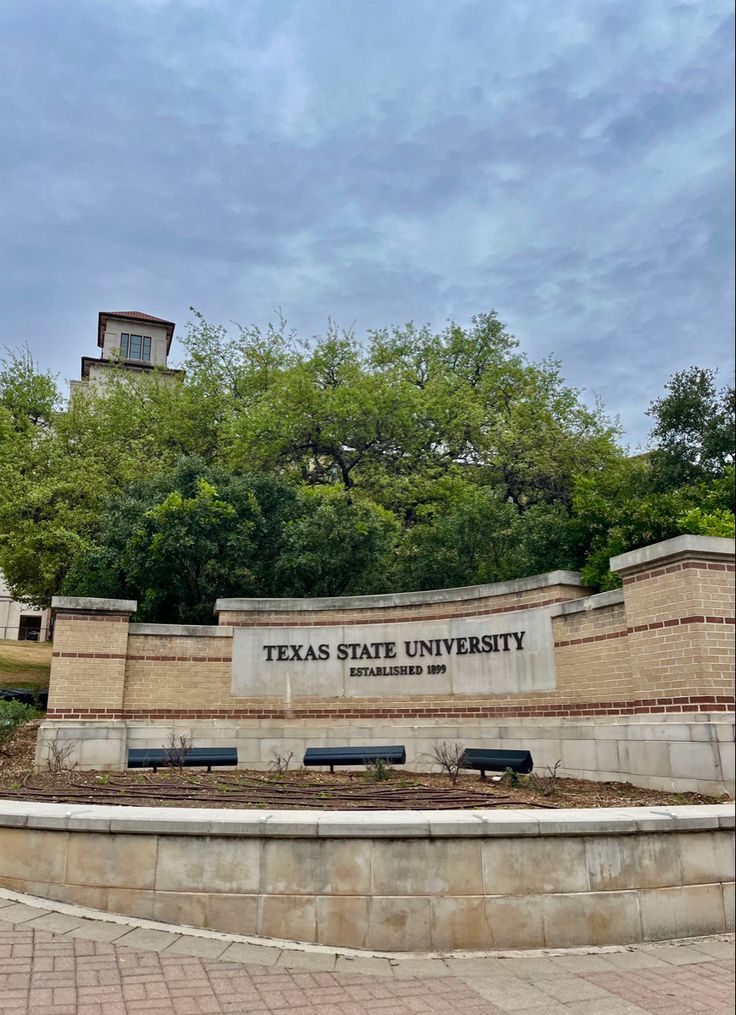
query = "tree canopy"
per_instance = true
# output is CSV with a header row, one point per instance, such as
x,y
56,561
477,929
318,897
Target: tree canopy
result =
x,y
415,459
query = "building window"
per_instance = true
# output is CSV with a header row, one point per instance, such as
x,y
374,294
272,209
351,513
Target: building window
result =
x,y
135,347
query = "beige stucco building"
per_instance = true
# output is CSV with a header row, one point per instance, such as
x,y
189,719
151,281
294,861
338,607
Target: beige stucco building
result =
x,y
141,344
19,621
138,341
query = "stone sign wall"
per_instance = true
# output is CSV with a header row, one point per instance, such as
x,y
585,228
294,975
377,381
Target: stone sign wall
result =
x,y
511,653
633,683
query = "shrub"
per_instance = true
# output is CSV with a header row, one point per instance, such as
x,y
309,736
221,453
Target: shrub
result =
x,y
12,715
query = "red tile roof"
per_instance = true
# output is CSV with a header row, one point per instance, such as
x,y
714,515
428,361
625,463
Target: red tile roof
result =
x,y
136,314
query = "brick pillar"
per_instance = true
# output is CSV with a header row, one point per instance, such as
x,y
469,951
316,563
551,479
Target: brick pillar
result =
x,y
88,659
679,598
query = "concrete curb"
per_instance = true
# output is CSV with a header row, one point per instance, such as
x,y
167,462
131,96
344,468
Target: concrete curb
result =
x,y
204,821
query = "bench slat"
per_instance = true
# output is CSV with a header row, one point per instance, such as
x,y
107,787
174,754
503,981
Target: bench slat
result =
x,y
490,760
394,755
158,757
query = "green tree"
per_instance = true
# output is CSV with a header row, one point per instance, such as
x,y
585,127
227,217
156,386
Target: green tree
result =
x,y
465,535
693,430
415,456
622,510
337,545
174,543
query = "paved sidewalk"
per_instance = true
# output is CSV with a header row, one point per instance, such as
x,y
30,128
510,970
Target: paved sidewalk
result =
x,y
54,961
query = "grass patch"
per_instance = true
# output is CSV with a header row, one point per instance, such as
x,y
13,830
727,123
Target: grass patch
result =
x,y
25,664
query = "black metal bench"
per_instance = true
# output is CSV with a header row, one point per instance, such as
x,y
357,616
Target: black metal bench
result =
x,y
39,699
332,756
195,757
497,761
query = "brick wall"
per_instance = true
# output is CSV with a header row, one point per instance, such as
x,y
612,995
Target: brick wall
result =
x,y
680,616
88,661
665,643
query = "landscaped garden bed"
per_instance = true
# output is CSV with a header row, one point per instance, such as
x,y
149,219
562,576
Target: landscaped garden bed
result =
x,y
299,788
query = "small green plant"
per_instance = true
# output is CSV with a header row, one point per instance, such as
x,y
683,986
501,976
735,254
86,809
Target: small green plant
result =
x,y
12,715
103,779
513,777
379,769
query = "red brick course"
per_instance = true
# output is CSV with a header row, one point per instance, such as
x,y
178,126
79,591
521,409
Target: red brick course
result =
x,y
638,706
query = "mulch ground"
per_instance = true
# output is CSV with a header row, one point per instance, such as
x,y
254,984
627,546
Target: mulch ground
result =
x,y
300,788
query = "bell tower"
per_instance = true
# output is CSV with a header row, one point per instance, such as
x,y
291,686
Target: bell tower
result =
x,y
139,342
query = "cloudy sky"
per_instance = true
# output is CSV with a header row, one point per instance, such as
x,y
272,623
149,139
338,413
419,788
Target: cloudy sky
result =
x,y
568,163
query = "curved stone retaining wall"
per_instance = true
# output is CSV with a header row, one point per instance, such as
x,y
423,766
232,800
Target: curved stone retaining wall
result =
x,y
391,881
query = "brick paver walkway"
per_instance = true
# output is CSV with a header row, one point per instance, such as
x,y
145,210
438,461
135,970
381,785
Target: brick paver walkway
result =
x,y
78,967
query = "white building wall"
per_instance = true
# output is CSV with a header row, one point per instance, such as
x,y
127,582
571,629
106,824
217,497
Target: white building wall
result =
x,y
11,612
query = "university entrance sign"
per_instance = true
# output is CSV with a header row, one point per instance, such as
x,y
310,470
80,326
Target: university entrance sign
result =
x,y
511,653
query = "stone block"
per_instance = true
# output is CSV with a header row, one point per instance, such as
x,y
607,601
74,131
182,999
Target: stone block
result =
x,y
115,861
217,864
515,921
706,857
321,867
428,867
101,753
77,895
454,825
606,755
247,750
695,761
269,748
544,752
698,816
373,825
232,914
519,822
686,911
460,923
725,731
729,905
543,864
185,909
579,755
129,902
291,823
593,918
343,920
587,820
288,916
398,923
650,758
248,823
727,760
33,855
632,861
675,732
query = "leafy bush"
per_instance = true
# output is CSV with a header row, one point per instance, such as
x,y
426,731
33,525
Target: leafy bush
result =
x,y
12,715
380,769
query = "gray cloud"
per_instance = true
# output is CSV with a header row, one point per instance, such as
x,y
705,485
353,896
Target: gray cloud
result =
x,y
568,165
